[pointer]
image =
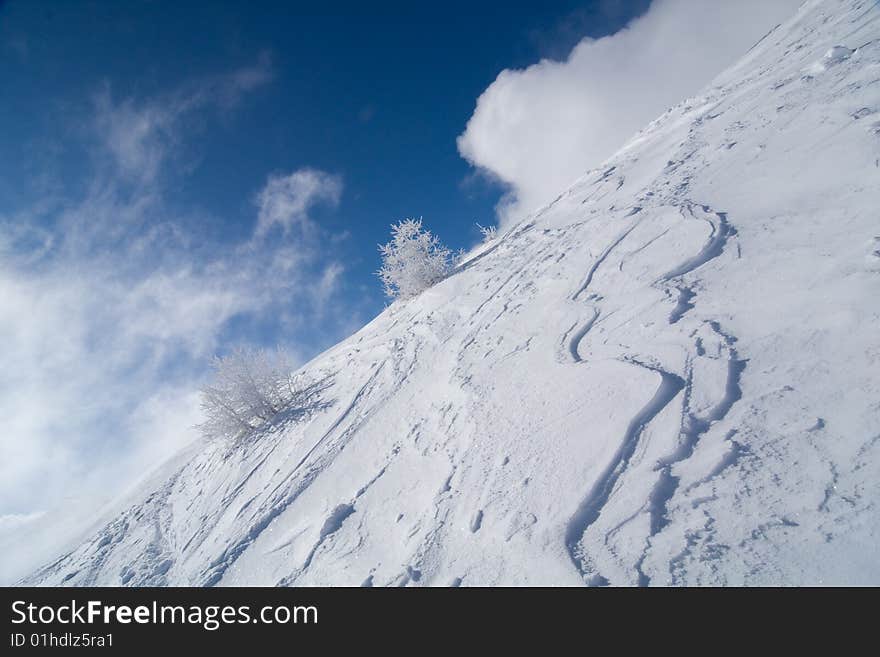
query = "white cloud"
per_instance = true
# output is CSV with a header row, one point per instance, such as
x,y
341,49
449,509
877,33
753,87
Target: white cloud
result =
x,y
140,135
230,88
134,135
110,306
537,130
286,200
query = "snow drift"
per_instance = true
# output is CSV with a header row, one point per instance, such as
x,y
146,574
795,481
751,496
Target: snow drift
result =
x,y
669,375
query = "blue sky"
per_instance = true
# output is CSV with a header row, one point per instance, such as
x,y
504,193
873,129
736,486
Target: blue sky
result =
x,y
376,97
180,178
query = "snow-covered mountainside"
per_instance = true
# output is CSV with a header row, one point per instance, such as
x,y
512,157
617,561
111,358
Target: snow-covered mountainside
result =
x,y
669,375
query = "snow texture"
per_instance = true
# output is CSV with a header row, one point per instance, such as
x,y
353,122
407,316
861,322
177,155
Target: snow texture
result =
x,y
670,375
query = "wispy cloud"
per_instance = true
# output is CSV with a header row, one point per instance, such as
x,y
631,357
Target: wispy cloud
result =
x,y
286,200
112,304
536,130
139,135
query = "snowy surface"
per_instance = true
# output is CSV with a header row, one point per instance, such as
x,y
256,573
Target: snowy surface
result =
x,y
670,375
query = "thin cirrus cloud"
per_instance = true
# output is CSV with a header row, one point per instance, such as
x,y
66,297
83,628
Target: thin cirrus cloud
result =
x,y
113,305
537,130
140,134
286,200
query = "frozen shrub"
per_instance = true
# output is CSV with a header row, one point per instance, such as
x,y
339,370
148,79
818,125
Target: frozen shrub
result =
x,y
489,233
413,260
251,387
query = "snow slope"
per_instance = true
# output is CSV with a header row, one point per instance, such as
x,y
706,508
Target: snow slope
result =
x,y
669,375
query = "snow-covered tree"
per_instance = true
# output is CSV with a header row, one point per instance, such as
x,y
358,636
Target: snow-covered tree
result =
x,y
413,260
251,387
489,233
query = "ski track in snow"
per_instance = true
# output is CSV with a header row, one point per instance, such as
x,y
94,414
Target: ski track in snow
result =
x,y
591,506
670,386
280,503
592,271
721,230
579,335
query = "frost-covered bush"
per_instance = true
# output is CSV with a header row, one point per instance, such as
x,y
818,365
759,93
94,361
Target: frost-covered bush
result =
x,y
413,260
250,388
489,233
